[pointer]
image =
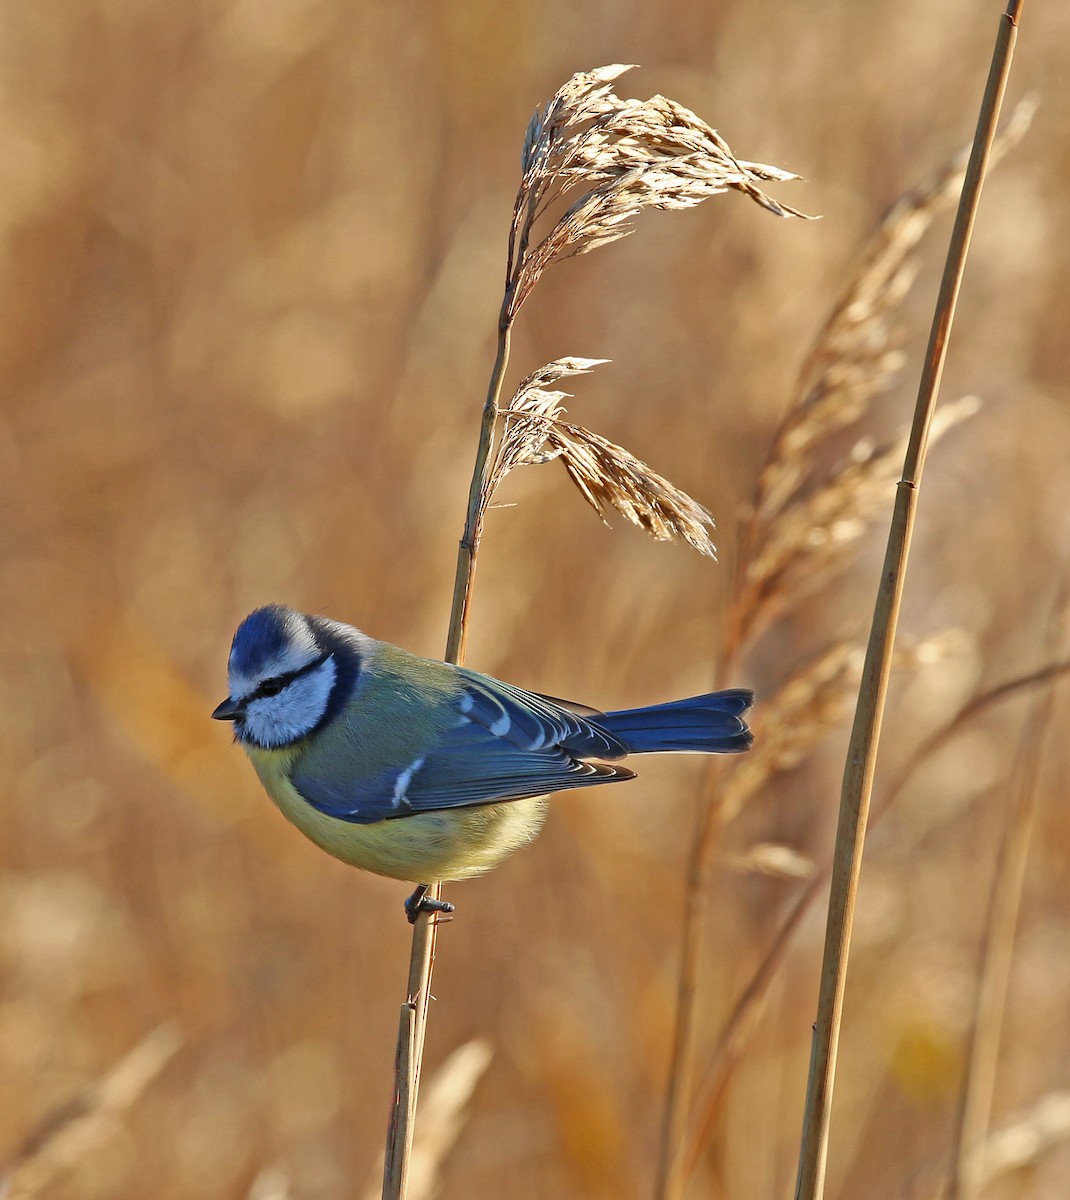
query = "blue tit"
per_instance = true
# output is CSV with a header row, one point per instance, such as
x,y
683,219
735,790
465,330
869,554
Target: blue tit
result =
x,y
424,771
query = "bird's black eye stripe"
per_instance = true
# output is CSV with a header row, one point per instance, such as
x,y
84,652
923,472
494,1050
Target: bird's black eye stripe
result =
x,y
272,687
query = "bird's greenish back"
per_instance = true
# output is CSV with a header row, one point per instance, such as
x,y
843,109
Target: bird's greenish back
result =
x,y
400,701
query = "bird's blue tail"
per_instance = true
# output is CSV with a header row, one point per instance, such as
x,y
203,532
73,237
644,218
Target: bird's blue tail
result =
x,y
710,724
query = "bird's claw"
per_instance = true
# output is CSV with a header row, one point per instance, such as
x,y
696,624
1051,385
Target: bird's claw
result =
x,y
421,902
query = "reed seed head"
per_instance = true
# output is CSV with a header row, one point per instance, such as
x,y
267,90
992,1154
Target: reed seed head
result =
x,y
606,474
856,356
606,159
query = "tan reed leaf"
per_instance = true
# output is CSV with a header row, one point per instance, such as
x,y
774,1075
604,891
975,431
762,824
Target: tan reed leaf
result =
x,y
855,357
271,1183
813,535
916,654
812,702
67,1136
1017,1144
1022,1140
621,156
775,861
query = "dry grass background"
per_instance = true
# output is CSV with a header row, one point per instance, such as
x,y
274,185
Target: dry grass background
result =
x,y
252,260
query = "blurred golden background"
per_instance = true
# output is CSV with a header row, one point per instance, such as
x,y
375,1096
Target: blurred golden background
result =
x,y
253,253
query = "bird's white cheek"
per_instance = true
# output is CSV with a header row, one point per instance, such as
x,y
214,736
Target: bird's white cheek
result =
x,y
294,712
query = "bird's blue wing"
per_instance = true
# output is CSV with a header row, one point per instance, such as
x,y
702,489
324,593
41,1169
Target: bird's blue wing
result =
x,y
532,722
505,744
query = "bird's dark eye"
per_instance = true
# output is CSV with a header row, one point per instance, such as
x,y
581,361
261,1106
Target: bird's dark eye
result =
x,y
271,687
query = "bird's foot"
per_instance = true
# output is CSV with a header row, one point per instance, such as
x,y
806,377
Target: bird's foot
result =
x,y
421,902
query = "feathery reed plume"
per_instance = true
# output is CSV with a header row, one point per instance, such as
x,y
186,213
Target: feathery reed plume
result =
x,y
813,535
606,474
848,365
73,1131
775,861
620,156
610,158
527,418
813,702
855,357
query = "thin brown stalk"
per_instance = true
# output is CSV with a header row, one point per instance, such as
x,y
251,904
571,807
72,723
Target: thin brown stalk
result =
x,y
821,688
828,396
738,1028
979,1076
457,637
789,725
412,1026
669,1178
448,1093
398,1145
854,359
862,750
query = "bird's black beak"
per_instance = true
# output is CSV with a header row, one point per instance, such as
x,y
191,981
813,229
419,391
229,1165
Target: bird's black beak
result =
x,y
229,710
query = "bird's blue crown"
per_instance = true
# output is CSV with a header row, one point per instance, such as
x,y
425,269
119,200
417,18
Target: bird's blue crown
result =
x,y
263,637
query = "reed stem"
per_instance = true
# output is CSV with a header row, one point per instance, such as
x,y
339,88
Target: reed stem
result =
x,y
862,750
457,638
669,1180
412,1026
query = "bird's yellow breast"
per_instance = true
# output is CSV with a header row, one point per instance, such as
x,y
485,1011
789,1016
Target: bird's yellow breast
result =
x,y
448,844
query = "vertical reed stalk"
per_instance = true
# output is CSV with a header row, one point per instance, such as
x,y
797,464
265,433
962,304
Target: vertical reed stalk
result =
x,y
457,638
737,1029
862,750
412,1025
669,1180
